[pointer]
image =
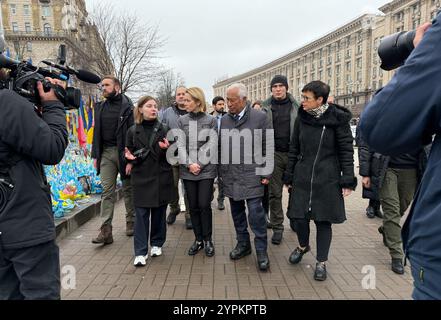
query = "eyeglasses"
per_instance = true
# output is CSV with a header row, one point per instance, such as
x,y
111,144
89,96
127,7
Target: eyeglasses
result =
x,y
307,98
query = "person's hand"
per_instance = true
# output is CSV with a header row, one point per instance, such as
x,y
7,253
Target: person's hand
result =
x,y
194,169
129,168
164,144
49,96
288,187
95,163
129,156
420,31
265,182
346,192
366,182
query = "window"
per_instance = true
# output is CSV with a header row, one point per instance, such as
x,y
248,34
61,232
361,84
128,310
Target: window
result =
x,y
415,23
28,27
26,10
15,27
47,29
348,53
348,66
359,49
337,70
359,63
29,46
329,73
359,75
13,9
45,11
338,56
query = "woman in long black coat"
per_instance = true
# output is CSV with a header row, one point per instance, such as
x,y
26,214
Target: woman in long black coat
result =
x,y
320,171
151,178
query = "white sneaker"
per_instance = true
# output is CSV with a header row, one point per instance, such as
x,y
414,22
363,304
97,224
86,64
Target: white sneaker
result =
x,y
140,261
156,252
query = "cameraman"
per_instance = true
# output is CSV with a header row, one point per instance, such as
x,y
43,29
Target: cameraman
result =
x,y
29,256
402,118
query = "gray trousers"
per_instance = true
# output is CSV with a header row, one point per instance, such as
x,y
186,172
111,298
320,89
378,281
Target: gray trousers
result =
x,y
396,195
276,190
109,174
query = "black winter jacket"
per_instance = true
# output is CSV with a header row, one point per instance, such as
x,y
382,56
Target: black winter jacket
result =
x,y
152,178
321,164
125,121
32,141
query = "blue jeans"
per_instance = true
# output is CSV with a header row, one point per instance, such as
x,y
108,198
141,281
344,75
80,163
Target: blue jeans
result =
x,y
256,219
142,229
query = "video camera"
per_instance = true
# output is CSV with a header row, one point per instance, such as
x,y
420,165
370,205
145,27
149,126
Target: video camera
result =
x,y
23,78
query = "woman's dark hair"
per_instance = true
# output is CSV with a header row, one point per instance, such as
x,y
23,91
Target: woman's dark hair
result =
x,y
319,89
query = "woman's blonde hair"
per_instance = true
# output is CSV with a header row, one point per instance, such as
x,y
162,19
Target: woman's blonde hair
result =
x,y
199,97
141,102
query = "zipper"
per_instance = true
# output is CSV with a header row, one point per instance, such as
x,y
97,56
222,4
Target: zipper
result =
x,y
313,167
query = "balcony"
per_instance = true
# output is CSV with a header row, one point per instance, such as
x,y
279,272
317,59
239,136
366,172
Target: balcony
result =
x,y
9,34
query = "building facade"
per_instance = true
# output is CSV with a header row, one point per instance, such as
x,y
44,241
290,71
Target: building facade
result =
x,y
345,58
34,30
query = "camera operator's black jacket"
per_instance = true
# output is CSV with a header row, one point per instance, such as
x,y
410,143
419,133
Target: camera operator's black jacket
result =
x,y
125,121
26,143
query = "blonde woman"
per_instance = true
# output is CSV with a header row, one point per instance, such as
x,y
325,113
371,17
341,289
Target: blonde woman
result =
x,y
198,174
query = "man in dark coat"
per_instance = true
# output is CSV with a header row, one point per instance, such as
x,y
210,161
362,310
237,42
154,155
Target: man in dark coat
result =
x,y
113,118
29,256
242,182
401,118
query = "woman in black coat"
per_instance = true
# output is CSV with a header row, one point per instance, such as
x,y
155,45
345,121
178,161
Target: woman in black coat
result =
x,y
151,178
320,171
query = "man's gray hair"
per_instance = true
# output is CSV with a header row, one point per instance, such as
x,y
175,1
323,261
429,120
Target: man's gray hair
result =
x,y
243,92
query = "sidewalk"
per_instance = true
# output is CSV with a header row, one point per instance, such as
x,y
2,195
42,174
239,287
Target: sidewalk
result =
x,y
108,272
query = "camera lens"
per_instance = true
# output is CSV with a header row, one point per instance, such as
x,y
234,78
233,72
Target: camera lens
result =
x,y
395,49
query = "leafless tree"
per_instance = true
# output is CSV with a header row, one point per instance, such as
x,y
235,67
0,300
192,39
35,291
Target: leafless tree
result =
x,y
168,82
132,48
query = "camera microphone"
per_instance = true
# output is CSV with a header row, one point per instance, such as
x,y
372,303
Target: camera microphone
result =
x,y
87,76
82,75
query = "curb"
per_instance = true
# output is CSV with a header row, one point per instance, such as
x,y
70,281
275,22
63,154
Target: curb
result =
x,y
80,215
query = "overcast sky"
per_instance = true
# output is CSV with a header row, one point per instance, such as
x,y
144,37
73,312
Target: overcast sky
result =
x,y
212,39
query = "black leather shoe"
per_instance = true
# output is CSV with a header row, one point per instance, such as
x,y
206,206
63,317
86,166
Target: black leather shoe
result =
x,y
209,248
241,250
397,266
320,273
195,248
171,218
262,261
277,237
370,212
297,255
